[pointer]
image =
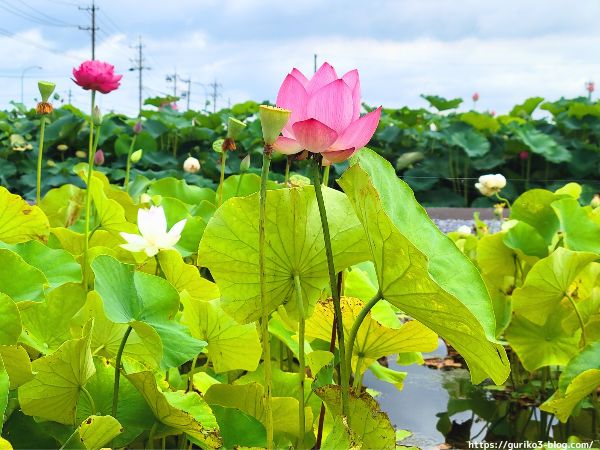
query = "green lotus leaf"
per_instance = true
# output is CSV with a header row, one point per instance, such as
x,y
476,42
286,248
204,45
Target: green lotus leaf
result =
x,y
318,359
472,142
4,388
19,221
341,436
589,310
587,358
171,416
239,429
131,296
388,375
370,425
58,379
10,321
442,104
231,346
249,399
580,232
481,121
526,241
542,345
548,282
534,207
417,264
562,404
571,189
195,406
527,107
373,340
17,364
47,324
294,246
541,143
179,189
5,445
185,277
243,185
63,205
96,432
22,281
285,332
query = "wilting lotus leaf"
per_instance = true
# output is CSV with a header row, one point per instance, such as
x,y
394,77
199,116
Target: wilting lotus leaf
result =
x,y
19,221
417,266
561,404
373,340
580,233
341,436
22,281
185,277
231,346
17,364
548,282
171,416
95,432
63,205
294,246
131,296
371,426
10,321
58,379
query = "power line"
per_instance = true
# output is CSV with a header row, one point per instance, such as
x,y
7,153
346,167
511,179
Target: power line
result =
x,y
12,9
11,35
60,22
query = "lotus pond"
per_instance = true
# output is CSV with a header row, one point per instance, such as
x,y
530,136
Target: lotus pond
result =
x,y
318,307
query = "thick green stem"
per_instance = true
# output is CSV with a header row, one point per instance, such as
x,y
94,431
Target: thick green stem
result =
x,y
128,168
88,197
115,400
354,330
579,318
264,320
301,369
222,179
89,399
38,192
335,294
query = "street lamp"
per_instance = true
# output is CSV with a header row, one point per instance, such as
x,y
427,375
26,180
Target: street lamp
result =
x,y
23,76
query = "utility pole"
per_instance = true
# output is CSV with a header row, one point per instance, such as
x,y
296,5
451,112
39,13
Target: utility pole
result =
x,y
138,64
215,93
187,93
69,96
93,28
315,63
173,77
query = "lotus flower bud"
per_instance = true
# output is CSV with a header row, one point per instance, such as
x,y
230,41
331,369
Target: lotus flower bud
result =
x,y
81,154
62,147
464,231
475,96
499,210
136,156
99,158
272,120
97,116
245,164
137,128
433,127
50,163
46,89
524,155
145,199
590,86
234,128
191,165
595,201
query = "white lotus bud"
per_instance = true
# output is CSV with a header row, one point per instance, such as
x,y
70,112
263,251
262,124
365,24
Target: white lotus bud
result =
x,y
191,165
464,230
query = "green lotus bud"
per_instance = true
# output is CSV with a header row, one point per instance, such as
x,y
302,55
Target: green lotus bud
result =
x,y
97,116
245,164
46,89
81,154
234,128
62,147
272,120
136,156
50,163
145,199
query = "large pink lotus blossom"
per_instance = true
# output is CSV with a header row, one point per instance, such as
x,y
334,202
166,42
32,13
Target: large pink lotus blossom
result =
x,y
97,76
325,115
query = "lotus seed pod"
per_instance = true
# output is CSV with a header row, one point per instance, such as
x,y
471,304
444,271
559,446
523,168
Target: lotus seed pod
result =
x,y
234,128
272,120
46,89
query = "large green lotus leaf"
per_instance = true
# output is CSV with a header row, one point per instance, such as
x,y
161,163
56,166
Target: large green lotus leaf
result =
x,y
96,432
527,107
480,121
63,205
17,364
388,375
494,257
547,283
370,425
587,358
19,221
179,189
22,281
294,246
175,211
580,233
562,404
472,142
541,143
231,346
131,296
55,388
58,266
442,104
239,429
417,265
47,324
243,185
193,404
171,416
542,345
4,388
249,399
10,321
373,340
186,277
534,207
526,241
341,436
143,345
500,289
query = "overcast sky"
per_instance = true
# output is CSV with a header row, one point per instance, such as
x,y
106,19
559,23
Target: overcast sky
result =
x,y
506,50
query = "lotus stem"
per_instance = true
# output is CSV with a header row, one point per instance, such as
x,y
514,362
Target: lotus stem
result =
x,y
301,369
335,293
322,412
128,167
579,318
264,320
88,197
222,179
38,193
191,374
326,175
354,331
502,199
288,164
89,399
115,400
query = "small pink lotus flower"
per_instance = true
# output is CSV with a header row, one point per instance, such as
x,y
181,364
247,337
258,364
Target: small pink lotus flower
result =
x,y
325,115
590,86
492,113
524,155
97,76
475,96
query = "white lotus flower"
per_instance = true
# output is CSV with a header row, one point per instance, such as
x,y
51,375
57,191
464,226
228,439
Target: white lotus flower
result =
x,y
152,224
464,230
191,165
490,184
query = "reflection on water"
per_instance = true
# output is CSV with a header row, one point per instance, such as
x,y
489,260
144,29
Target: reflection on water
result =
x,y
444,410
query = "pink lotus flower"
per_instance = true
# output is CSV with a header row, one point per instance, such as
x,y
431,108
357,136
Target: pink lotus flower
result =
x,y
475,96
590,86
97,76
524,155
325,115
